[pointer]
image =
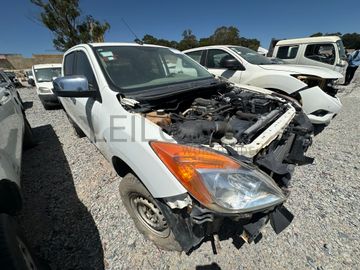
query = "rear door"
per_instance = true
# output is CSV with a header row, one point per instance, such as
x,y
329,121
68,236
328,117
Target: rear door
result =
x,y
288,53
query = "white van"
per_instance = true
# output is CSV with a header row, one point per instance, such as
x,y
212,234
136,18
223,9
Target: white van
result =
x,y
44,74
326,51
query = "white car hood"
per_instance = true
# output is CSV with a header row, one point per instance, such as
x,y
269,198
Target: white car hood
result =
x,y
306,70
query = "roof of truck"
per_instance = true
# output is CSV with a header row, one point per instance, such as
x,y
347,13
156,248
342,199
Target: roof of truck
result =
x,y
308,40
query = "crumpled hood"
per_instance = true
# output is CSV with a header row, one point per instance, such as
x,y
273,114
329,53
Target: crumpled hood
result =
x,y
305,70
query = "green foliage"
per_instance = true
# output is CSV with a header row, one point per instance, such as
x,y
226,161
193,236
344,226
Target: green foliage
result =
x,y
221,36
62,18
189,41
351,40
318,34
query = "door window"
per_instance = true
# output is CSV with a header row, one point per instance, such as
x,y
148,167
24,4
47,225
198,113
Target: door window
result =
x,y
83,67
216,58
69,64
195,55
287,52
324,53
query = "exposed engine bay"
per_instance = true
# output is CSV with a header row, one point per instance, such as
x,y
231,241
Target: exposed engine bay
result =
x,y
264,129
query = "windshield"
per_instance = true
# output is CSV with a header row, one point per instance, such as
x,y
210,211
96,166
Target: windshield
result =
x,y
47,74
251,56
132,68
341,49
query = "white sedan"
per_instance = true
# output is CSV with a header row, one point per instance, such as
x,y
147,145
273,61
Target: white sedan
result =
x,y
312,86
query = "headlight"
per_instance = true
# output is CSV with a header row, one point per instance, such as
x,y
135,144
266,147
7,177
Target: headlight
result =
x,y
217,181
44,90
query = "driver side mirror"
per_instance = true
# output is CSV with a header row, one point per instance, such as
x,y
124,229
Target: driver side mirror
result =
x,y
73,86
232,64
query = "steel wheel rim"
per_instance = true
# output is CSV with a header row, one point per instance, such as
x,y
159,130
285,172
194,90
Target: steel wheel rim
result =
x,y
149,215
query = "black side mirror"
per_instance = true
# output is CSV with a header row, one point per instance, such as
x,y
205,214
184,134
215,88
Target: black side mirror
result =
x,y
232,64
73,86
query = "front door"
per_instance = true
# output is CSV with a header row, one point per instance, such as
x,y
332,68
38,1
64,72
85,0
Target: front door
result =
x,y
215,63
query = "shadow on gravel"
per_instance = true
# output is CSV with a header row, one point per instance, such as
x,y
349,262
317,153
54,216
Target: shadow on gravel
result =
x,y
213,266
56,223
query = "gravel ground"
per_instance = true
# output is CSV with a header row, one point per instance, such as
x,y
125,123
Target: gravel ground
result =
x,y
74,218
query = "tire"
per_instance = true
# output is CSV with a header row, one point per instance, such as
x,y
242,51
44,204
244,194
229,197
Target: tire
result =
x,y
14,252
140,205
29,140
78,132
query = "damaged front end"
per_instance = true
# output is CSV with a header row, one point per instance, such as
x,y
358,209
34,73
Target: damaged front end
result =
x,y
235,154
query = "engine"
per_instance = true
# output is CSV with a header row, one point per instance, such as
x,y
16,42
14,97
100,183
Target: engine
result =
x,y
234,117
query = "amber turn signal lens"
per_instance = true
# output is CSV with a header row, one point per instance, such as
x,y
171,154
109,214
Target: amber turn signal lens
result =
x,y
184,161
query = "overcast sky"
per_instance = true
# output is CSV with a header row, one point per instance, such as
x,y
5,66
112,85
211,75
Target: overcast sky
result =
x,y
167,19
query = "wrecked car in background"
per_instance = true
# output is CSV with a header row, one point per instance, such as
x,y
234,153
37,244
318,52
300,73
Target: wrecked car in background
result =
x,y
313,87
199,156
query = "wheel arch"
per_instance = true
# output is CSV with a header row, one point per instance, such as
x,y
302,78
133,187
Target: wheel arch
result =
x,y
10,197
121,167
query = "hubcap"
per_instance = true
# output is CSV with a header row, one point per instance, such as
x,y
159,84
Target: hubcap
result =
x,y
150,215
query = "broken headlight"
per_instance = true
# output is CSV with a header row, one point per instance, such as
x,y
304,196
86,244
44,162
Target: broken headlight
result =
x,y
218,181
243,190
311,81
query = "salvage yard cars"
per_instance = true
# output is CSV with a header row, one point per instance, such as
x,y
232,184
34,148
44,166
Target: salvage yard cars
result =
x,y
314,87
44,74
198,155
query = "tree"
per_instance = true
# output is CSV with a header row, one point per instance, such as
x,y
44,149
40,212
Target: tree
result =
x,y
318,34
351,40
222,36
189,41
229,36
149,39
63,19
225,36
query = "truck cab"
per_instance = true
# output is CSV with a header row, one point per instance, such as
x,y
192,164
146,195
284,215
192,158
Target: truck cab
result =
x,y
327,51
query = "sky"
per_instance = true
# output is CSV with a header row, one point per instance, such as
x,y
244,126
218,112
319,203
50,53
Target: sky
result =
x,y
260,19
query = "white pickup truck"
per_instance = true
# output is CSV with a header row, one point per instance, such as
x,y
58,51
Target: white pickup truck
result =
x,y
313,86
195,152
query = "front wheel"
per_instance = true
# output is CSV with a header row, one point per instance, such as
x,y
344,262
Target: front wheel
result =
x,y
146,214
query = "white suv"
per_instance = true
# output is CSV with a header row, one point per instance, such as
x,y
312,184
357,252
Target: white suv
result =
x,y
313,86
195,152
